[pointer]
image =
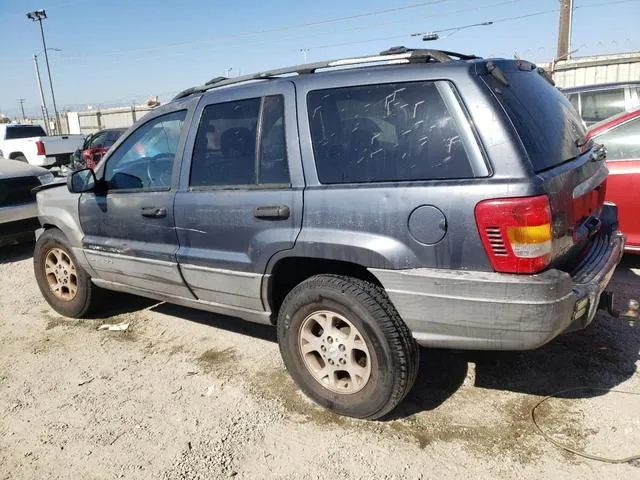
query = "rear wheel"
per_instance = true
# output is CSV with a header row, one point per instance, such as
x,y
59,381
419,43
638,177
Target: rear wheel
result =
x,y
21,158
346,347
63,283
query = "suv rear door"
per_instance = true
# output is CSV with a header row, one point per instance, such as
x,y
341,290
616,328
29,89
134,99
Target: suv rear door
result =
x,y
240,196
554,139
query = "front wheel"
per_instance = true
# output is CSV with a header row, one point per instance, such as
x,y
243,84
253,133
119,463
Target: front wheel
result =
x,y
63,283
346,347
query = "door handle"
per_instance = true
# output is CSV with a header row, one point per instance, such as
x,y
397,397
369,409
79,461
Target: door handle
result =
x,y
272,212
153,212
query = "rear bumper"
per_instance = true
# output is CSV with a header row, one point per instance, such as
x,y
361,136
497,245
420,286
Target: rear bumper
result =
x,y
493,311
42,161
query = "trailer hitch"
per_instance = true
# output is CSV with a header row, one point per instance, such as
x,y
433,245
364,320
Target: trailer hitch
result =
x,y
631,315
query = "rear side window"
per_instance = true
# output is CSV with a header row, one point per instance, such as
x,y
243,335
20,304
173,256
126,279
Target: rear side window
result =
x,y
623,142
241,143
547,123
14,133
598,105
384,133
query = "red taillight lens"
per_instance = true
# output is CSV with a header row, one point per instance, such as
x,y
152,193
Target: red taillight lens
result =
x,y
40,147
516,233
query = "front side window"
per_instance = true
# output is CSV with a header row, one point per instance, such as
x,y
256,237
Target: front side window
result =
x,y
145,159
386,132
241,143
598,105
623,142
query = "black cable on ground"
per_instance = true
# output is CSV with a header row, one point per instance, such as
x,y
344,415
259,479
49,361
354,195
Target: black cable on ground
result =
x,y
569,449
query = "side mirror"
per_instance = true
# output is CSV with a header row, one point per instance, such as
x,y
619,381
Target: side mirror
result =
x,y
82,181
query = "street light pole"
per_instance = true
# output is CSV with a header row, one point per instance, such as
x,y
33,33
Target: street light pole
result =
x,y
38,16
22,100
43,104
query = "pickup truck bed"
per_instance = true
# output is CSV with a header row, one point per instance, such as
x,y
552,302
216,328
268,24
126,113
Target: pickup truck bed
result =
x,y
30,143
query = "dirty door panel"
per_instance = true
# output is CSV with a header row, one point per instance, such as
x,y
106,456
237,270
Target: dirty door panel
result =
x,y
129,229
240,200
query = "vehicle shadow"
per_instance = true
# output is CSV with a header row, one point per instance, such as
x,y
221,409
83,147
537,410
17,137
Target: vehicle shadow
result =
x,y
16,253
591,361
232,324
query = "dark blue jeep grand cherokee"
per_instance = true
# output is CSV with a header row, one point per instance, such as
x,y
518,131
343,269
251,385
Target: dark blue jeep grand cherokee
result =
x,y
363,206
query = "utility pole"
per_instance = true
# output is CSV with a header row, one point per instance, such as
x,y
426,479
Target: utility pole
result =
x,y
305,53
43,104
22,100
38,16
564,30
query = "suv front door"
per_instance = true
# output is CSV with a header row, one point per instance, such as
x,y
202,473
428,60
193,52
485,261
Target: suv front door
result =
x,y
129,227
240,196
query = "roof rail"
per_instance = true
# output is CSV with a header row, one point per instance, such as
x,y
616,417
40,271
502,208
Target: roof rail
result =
x,y
395,55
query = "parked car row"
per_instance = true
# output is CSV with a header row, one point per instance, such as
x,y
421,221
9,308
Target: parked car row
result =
x,y
423,198
344,207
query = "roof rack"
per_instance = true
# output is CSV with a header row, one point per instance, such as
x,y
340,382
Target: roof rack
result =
x,y
395,55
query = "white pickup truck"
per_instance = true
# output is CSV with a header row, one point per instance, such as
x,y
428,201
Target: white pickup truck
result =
x,y
31,144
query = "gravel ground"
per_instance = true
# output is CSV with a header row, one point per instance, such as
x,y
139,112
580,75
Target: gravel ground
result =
x,y
189,395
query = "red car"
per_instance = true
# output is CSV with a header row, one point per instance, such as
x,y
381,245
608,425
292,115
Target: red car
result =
x,y
98,145
621,135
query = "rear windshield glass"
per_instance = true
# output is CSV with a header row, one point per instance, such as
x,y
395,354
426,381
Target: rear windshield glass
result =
x,y
24,132
548,125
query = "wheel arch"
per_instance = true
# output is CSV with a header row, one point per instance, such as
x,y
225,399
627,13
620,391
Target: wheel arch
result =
x,y
287,272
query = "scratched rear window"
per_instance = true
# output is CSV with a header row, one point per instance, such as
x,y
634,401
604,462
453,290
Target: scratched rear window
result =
x,y
385,133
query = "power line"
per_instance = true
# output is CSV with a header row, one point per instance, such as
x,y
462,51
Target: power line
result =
x,y
500,20
284,39
333,20
275,29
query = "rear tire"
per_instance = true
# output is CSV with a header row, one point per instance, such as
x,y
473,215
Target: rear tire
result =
x,y
65,285
21,158
346,347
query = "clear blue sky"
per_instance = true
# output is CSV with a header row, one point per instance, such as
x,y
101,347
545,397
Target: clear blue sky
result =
x,y
119,51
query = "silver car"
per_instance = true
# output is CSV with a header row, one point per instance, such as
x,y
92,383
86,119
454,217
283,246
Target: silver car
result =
x,y
18,212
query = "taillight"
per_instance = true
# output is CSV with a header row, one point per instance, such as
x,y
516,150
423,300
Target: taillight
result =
x,y
40,147
516,233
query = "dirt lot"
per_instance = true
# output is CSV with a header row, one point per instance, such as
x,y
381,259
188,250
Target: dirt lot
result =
x,y
185,394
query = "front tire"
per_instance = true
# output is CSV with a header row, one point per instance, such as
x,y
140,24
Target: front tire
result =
x,y
346,347
65,285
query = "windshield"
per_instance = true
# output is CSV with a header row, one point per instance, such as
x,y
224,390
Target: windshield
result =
x,y
550,128
26,131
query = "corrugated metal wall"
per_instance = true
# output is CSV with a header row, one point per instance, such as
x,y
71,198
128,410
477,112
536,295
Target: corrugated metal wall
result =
x,y
598,74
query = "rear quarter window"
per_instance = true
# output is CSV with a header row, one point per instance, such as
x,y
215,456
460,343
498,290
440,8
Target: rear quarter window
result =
x,y
385,132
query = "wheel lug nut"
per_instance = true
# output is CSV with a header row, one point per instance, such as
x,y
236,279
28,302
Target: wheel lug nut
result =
x,y
329,339
341,347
